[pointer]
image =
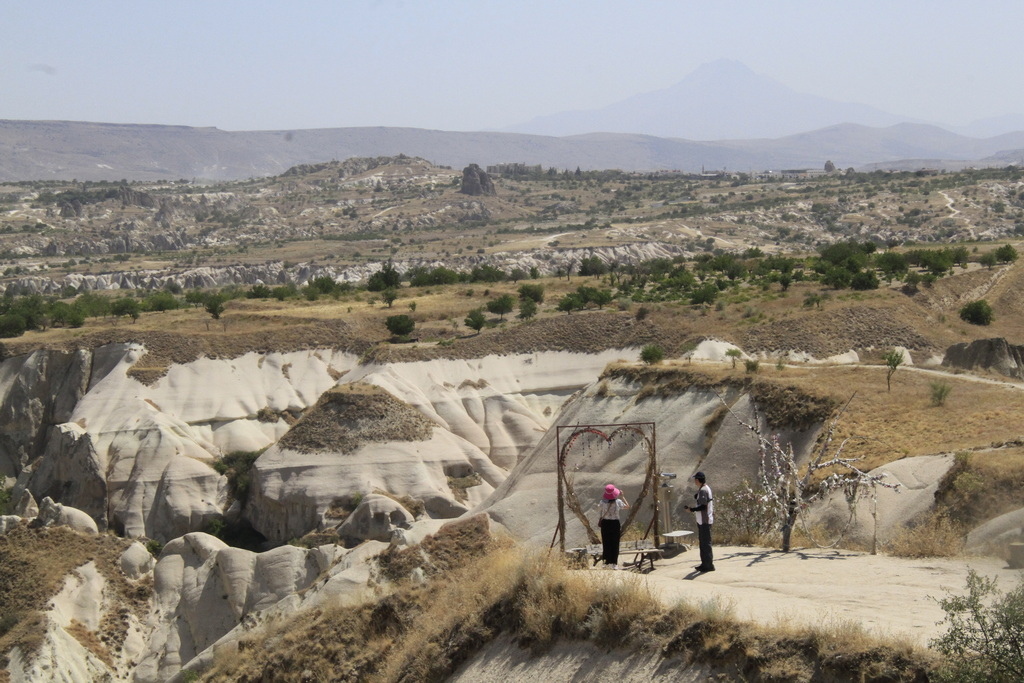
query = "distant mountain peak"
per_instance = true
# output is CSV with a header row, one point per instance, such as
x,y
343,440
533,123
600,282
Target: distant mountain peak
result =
x,y
720,99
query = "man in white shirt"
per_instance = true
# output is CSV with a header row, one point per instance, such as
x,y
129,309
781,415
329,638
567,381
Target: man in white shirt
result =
x,y
704,512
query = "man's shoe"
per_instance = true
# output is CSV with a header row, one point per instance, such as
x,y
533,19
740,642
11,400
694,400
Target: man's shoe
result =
x,y
702,569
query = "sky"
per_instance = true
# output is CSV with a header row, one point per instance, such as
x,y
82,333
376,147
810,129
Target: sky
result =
x,y
486,64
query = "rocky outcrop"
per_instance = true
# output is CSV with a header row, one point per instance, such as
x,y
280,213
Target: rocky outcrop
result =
x,y
55,514
546,261
36,391
699,438
376,519
206,589
476,182
996,355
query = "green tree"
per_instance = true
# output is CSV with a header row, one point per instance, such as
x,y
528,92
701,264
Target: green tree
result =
x,y
705,294
891,264
527,308
259,292
126,307
592,265
977,313
652,354
476,320
400,325
501,305
195,297
161,301
487,273
389,295
864,280
214,304
386,277
1006,254
893,360
12,325
570,302
984,640
734,355
532,291
988,259
92,305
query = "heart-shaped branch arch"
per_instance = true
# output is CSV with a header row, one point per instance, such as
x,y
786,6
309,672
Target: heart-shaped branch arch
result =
x,y
642,433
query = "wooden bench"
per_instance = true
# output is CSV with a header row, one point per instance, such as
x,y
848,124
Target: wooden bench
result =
x,y
641,552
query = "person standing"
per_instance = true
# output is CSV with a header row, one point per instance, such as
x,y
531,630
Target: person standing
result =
x,y
704,512
611,527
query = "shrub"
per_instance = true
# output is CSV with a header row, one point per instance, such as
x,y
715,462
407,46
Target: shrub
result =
x,y
940,392
652,354
744,516
938,536
527,308
752,365
237,466
977,313
983,642
476,319
400,325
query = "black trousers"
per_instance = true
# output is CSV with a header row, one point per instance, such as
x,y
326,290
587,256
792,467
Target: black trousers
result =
x,y
611,530
707,558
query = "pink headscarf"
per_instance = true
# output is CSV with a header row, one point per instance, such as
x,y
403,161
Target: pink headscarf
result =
x,y
610,492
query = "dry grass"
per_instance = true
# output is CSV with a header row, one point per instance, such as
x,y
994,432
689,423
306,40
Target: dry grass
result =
x,y
33,564
903,423
936,536
90,641
425,632
350,415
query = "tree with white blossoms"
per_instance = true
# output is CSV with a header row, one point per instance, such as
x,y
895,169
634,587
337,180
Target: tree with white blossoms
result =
x,y
790,489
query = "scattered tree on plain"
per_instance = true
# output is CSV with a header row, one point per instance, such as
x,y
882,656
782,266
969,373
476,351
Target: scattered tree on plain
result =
x,y
893,360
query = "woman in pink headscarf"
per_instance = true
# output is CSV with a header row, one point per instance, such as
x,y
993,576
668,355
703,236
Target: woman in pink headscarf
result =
x,y
611,527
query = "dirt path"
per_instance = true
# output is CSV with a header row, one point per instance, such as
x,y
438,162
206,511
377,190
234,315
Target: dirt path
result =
x,y
884,595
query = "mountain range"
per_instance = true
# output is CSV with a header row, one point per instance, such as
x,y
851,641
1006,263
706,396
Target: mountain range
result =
x,y
723,116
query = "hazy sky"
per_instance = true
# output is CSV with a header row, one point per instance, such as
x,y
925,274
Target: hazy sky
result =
x,y
484,64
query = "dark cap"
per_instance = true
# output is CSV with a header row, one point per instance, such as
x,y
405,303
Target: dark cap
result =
x,y
700,477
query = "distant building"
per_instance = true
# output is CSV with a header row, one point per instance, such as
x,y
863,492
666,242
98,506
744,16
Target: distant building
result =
x,y
515,169
802,172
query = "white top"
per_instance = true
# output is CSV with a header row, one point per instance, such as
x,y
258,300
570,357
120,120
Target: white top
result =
x,y
609,509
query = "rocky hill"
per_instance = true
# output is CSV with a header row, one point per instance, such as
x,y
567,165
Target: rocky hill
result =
x,y
63,150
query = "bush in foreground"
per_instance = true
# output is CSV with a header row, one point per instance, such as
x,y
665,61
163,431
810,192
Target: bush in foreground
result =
x,y
985,640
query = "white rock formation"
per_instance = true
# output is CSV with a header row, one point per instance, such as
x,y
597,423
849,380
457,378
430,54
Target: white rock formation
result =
x,y
996,533
376,518
139,457
489,412
136,561
526,502
205,590
55,514
918,478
